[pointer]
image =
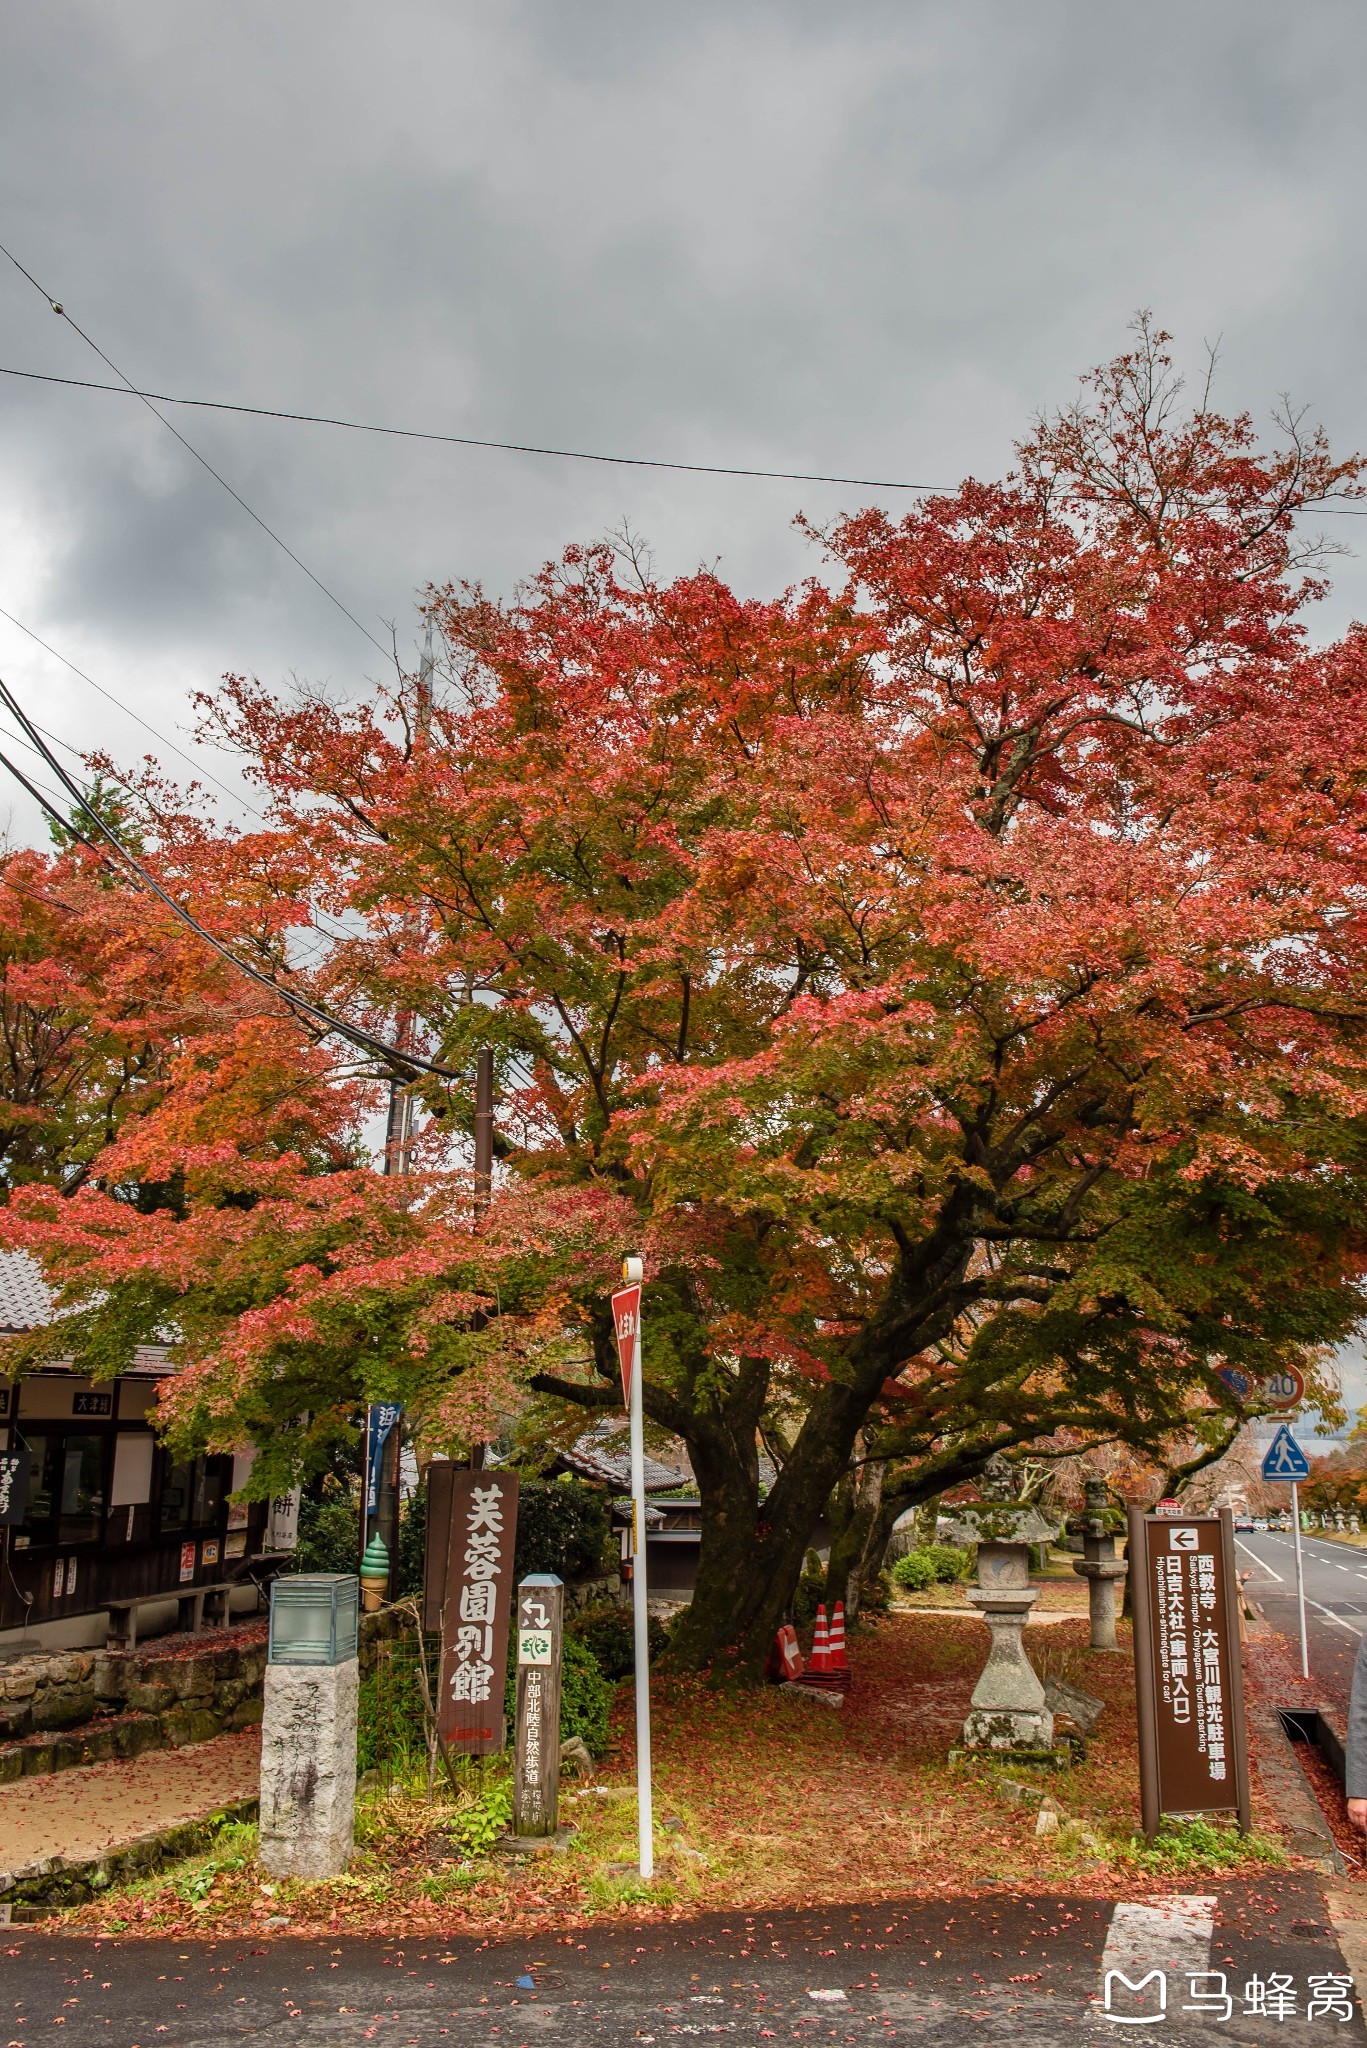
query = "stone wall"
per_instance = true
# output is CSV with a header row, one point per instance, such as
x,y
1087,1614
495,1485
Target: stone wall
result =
x,y
83,1706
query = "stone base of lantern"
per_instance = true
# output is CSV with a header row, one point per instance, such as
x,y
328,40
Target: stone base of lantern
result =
x,y
987,1728
1008,1713
308,1769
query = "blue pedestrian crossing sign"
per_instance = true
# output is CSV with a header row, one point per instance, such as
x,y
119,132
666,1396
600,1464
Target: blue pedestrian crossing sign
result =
x,y
1285,1459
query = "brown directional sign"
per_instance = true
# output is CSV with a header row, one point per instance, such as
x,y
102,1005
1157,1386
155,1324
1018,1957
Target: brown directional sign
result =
x,y
1193,1751
536,1755
475,1610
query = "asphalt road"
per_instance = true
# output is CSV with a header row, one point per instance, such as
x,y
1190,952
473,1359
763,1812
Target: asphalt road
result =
x,y
1335,1598
955,1971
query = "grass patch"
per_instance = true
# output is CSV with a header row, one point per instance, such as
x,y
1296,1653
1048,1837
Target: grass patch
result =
x,y
1197,1844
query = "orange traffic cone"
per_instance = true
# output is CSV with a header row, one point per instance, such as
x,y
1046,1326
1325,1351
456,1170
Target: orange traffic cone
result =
x,y
820,1662
838,1660
785,1659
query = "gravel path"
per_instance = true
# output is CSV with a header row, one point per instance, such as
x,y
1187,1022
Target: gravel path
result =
x,y
82,1812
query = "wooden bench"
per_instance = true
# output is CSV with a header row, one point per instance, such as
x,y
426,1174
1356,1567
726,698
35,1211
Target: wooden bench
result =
x,y
197,1605
192,1606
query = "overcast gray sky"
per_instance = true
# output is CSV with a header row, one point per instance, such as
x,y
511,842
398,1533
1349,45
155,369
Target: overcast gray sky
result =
x,y
871,239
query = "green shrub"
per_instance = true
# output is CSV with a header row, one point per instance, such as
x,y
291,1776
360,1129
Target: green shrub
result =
x,y
913,1570
607,1629
562,1527
391,1721
478,1826
585,1696
949,1563
930,1565
329,1535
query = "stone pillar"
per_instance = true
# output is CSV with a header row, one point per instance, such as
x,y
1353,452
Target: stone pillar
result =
x,y
1100,1566
308,1769
1008,1710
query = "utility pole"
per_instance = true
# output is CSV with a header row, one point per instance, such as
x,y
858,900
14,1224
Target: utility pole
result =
x,y
398,1146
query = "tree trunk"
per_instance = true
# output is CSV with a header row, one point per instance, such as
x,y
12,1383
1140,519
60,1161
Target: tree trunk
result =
x,y
857,1536
752,1551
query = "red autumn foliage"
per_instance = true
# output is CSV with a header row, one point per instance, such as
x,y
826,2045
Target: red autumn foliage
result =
x,y
950,974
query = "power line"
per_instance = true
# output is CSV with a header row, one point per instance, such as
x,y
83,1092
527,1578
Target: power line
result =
x,y
66,662
315,419
395,1056
322,419
316,922
190,449
46,800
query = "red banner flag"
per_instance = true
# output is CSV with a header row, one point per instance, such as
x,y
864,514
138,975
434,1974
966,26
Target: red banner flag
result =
x,y
626,1328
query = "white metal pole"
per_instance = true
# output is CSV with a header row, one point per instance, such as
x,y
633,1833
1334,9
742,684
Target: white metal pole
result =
x,y
1300,1576
632,1269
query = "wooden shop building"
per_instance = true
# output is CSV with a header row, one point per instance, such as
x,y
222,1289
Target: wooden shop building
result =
x,y
104,1534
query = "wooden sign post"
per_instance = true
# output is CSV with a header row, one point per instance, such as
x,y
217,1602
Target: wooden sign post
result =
x,y
1193,1748
475,1604
536,1768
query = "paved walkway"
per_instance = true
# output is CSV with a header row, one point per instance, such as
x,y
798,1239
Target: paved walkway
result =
x,y
85,1811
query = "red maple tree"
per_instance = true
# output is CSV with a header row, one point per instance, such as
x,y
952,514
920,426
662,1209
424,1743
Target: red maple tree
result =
x,y
948,976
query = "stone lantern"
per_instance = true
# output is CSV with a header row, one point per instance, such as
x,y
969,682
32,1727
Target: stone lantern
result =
x,y
1099,1564
1008,1709
308,1733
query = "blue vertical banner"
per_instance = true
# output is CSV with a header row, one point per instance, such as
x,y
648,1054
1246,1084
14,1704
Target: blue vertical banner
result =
x,y
383,1416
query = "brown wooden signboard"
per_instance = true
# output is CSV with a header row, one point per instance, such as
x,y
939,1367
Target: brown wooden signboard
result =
x,y
476,1608
1193,1749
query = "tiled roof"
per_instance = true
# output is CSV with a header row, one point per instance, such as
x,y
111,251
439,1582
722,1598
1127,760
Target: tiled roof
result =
x,y
25,1298
591,1456
26,1304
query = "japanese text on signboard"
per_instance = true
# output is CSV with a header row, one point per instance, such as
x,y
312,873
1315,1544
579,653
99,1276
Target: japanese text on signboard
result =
x,y
476,1614
1189,1622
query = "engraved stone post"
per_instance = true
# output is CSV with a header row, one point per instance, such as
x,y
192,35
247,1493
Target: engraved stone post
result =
x,y
536,1770
308,1734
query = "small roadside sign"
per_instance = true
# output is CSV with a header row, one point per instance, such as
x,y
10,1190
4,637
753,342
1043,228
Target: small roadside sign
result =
x,y
1284,1389
1169,1505
626,1328
1240,1384
1285,1459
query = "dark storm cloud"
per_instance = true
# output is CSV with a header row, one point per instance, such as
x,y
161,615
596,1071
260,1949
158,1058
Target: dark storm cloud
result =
x,y
871,239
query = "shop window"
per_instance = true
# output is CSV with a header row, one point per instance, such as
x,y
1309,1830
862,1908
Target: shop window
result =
x,y
192,1492
66,1488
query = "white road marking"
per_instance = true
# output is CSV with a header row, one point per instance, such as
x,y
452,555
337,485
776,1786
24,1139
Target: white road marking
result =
x,y
1168,1936
1330,1616
1259,1562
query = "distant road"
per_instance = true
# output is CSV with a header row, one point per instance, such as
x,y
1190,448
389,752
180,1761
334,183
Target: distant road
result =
x,y
1335,1598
